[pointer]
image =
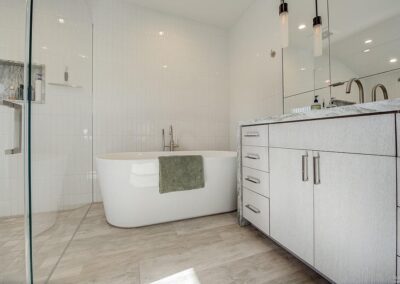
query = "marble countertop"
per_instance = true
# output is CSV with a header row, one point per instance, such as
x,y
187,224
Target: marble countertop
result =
x,y
351,110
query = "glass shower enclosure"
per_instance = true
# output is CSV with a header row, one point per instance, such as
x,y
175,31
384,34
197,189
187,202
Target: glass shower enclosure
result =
x,y
46,164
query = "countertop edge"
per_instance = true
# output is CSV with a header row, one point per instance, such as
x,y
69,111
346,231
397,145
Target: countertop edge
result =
x,y
375,108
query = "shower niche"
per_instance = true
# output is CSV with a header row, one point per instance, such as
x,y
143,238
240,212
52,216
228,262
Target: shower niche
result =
x,y
12,81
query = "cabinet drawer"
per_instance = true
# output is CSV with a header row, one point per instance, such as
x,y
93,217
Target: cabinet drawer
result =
x,y
256,210
256,180
398,135
398,233
255,135
373,134
255,157
398,267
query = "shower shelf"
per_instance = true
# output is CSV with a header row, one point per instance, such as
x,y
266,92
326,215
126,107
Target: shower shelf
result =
x,y
21,102
12,78
66,85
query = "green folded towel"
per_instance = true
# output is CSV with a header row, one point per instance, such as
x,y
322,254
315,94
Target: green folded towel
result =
x,y
178,173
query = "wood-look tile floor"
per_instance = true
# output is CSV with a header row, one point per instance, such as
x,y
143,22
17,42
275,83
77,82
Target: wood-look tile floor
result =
x,y
205,250
12,250
51,236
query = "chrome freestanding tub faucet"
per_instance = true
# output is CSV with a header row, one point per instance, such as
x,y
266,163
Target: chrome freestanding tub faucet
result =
x,y
360,89
384,91
172,145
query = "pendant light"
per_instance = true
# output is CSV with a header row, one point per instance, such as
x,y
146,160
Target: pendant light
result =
x,y
317,26
284,18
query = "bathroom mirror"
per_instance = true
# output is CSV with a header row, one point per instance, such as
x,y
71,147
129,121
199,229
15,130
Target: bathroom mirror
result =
x,y
304,72
365,43
362,40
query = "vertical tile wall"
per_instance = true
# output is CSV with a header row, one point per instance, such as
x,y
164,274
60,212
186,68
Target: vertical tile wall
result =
x,y
201,79
255,77
62,126
152,70
12,23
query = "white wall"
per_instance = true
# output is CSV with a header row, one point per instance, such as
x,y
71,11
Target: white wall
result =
x,y
12,16
144,82
255,77
62,126
213,79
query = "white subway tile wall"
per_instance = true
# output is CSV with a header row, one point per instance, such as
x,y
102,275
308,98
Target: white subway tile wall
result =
x,y
255,76
11,171
152,70
62,126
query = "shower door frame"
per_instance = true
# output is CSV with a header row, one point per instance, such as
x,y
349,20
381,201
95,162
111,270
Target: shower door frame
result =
x,y
26,141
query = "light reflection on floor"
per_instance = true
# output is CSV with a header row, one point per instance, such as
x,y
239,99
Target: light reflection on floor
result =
x,y
184,277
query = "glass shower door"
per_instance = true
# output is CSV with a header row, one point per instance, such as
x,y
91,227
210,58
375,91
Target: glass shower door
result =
x,y
14,227
45,183
61,130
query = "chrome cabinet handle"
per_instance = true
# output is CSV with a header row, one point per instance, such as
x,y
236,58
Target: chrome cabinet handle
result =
x,y
304,167
253,156
252,208
253,180
18,126
317,174
252,134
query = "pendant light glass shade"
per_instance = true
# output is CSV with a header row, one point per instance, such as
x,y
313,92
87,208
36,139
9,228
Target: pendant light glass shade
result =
x,y
317,27
318,40
284,19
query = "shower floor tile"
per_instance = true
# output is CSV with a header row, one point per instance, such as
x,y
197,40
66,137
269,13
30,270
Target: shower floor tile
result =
x,y
12,250
51,234
204,250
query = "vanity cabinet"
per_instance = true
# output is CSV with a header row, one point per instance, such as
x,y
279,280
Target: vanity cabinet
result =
x,y
291,194
355,217
255,157
372,135
255,135
256,210
255,176
332,195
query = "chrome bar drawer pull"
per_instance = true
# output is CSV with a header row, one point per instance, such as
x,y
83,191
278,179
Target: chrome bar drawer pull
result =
x,y
252,134
304,167
317,175
252,208
253,156
253,180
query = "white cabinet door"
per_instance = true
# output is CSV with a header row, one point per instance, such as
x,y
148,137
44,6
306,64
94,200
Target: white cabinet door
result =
x,y
291,201
355,218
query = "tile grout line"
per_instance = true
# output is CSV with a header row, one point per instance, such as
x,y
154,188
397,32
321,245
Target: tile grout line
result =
x,y
67,246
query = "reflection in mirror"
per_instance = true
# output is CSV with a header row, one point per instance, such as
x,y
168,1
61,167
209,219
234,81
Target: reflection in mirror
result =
x,y
391,81
303,72
365,43
303,102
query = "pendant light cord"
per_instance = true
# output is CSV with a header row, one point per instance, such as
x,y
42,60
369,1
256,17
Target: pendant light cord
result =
x,y
316,8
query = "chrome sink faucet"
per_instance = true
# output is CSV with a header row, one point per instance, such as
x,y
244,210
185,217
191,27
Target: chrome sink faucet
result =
x,y
172,145
384,91
360,88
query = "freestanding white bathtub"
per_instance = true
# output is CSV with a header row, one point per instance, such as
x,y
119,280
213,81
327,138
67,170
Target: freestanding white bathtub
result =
x,y
129,187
